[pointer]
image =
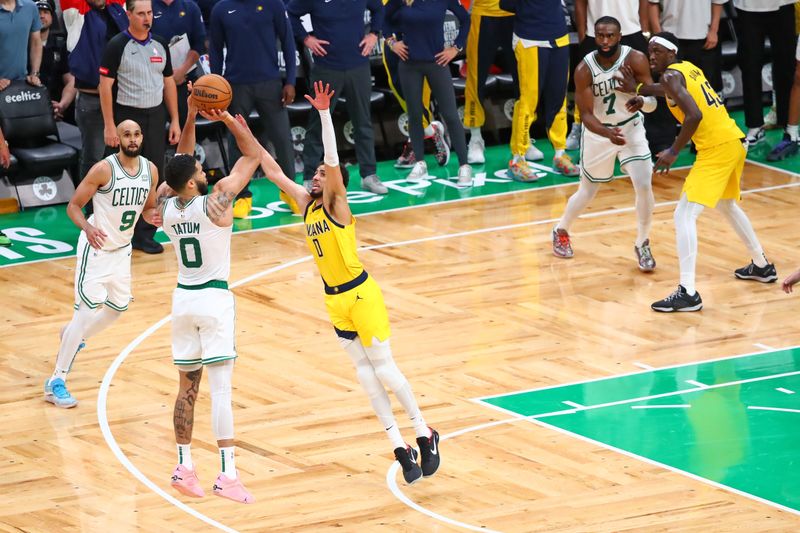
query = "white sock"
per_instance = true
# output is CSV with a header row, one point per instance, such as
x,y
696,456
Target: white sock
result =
x,y
685,217
744,229
428,130
641,173
475,134
792,132
228,463
185,456
578,202
559,153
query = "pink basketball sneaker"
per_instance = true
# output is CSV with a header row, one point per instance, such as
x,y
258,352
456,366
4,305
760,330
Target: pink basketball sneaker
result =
x,y
232,489
185,481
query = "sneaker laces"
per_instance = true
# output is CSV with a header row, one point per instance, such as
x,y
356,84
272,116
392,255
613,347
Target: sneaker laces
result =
x,y
60,390
644,251
674,296
563,239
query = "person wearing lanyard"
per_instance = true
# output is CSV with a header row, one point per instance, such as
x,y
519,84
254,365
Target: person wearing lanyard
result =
x,y
171,20
412,30
140,65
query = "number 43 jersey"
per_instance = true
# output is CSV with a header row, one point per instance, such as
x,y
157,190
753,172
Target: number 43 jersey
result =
x,y
717,126
118,205
203,249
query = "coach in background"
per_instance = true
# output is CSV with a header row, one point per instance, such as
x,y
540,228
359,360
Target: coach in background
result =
x,y
250,30
19,38
140,64
341,58
90,25
171,20
55,74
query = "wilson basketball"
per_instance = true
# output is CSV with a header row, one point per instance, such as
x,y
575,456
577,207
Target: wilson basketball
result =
x,y
212,91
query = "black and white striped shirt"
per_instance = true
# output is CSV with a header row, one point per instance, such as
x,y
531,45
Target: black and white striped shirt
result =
x,y
139,68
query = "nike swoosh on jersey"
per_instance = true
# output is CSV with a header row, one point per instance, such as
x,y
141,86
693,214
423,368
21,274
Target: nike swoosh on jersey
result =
x,y
232,11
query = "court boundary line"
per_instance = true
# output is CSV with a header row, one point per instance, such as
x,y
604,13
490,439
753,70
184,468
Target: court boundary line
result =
x,y
122,356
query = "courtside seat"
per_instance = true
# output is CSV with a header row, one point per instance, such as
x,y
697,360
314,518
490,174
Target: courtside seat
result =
x,y
26,118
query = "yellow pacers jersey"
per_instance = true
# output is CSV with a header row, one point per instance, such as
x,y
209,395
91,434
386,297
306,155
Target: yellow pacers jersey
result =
x,y
489,8
717,126
332,245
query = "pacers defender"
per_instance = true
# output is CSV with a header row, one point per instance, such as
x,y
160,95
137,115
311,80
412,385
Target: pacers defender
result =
x,y
612,131
121,187
714,178
199,226
353,298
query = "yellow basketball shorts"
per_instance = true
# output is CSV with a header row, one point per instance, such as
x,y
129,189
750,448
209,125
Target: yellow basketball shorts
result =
x,y
360,311
716,174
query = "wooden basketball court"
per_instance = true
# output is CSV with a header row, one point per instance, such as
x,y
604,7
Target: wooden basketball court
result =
x,y
479,306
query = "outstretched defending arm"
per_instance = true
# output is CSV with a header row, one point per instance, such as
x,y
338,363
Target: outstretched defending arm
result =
x,y
334,193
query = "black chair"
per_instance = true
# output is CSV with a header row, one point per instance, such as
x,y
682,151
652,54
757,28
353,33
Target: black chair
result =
x,y
27,121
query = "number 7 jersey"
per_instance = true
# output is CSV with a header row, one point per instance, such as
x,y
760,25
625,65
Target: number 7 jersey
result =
x,y
716,126
203,249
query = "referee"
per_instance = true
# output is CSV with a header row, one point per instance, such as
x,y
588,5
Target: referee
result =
x,y
140,64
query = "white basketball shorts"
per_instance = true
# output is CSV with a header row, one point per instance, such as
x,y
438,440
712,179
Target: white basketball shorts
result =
x,y
598,154
203,326
103,277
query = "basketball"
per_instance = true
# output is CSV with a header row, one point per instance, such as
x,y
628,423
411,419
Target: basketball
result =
x,y
212,91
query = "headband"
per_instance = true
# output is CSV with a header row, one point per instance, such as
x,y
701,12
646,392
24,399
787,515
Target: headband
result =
x,y
665,43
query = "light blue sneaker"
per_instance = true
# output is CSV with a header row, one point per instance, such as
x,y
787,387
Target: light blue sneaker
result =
x,y
56,392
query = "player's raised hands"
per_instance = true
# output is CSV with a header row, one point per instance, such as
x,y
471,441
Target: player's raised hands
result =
x,y
322,96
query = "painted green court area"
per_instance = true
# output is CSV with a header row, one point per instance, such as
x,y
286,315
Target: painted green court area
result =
x,y
734,422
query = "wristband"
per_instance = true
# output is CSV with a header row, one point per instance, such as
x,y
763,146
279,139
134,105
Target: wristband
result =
x,y
639,87
672,151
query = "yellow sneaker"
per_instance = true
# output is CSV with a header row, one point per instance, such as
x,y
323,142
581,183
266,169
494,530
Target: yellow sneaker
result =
x,y
288,200
242,207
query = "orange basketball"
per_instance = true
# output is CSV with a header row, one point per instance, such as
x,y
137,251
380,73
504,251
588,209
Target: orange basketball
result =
x,y
212,91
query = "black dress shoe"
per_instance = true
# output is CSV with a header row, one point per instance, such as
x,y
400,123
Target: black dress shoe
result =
x,y
148,246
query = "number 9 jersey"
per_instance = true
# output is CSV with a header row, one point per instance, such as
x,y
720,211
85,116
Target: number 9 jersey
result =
x,y
118,205
716,127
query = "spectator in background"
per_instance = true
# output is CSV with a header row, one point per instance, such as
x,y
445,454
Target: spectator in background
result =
x,y
55,74
341,52
5,162
249,31
90,25
696,25
490,28
541,48
139,62
20,42
433,129
632,15
416,36
171,20
789,144
755,20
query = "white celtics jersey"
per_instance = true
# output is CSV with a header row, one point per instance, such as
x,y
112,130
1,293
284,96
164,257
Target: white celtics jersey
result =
x,y
117,206
609,104
203,249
